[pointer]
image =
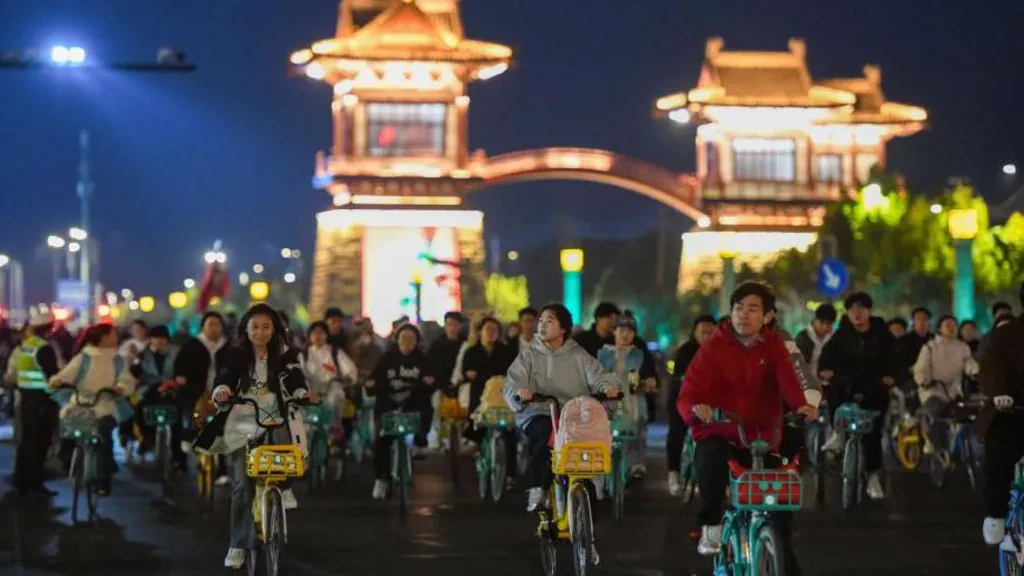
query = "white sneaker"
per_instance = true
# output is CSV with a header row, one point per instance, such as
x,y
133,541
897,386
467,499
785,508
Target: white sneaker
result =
x,y
875,491
534,498
834,444
638,472
222,480
710,540
235,558
380,489
993,530
288,499
675,488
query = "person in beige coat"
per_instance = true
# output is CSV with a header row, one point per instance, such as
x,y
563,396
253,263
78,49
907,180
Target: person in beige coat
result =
x,y
939,373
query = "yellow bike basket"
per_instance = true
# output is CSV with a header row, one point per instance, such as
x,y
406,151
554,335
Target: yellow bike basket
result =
x,y
283,461
582,459
450,409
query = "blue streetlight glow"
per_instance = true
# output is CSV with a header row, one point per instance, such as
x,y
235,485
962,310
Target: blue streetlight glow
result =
x,y
67,55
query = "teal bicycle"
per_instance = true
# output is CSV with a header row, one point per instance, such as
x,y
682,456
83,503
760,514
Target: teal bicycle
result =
x,y
688,469
82,428
319,418
1011,550
855,422
492,460
399,426
623,432
751,546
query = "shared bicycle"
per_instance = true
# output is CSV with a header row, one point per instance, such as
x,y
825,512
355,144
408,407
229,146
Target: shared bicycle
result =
x,y
854,421
624,430
86,434
493,456
399,425
964,445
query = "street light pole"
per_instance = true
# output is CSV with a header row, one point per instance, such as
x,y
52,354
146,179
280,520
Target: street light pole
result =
x,y
963,227
85,192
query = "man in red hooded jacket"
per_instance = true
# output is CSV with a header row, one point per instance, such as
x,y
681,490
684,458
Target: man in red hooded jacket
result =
x,y
744,369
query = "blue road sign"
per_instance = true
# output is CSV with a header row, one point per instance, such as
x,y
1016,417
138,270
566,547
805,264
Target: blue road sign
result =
x,y
73,294
833,277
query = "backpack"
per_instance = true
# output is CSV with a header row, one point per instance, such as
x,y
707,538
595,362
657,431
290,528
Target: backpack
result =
x,y
583,419
123,408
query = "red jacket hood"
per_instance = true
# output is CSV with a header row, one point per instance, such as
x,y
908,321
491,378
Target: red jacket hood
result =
x,y
752,382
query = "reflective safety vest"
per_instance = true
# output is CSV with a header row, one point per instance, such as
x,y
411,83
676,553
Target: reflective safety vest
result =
x,y
30,373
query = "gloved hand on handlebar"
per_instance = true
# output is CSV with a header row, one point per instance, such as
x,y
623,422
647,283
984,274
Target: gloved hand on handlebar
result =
x,y
1003,402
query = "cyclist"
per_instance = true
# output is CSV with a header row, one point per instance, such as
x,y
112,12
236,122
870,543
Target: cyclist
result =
x,y
859,359
444,351
939,375
601,331
402,379
263,369
703,328
908,347
154,370
743,368
1002,313
557,366
528,324
1002,429
326,368
812,339
898,327
95,367
969,334
626,361
137,341
335,320
489,357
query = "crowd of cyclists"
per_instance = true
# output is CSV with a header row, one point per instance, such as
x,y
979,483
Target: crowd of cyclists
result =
x,y
742,364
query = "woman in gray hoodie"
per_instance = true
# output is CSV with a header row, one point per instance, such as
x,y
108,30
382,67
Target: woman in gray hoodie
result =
x,y
554,365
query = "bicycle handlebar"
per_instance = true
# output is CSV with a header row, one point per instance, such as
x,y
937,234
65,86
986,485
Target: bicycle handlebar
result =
x,y
239,401
538,397
720,416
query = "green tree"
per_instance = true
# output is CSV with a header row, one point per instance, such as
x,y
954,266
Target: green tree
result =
x,y
507,295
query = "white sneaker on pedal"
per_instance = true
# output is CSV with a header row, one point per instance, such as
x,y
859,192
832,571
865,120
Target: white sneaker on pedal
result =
x,y
235,558
710,540
288,499
875,491
834,444
534,498
993,530
222,480
380,489
675,488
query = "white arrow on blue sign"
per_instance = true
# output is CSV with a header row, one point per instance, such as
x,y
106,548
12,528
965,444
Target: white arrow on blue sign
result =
x,y
833,277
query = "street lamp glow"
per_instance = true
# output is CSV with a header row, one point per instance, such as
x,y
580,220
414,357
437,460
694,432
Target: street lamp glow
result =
x,y
78,234
513,255
872,196
681,115
126,294
286,252
59,54
76,55
74,247
67,54
571,259
289,278
259,291
147,304
315,70
936,208
133,305
177,300
189,283
704,222
243,278
4,260
55,242
221,257
210,257
258,268
1009,169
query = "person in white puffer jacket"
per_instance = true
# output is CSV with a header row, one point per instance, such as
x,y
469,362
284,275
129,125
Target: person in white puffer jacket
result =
x,y
939,373
95,367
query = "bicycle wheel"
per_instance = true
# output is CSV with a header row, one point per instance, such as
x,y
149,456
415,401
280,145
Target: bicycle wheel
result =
x,y
454,445
499,466
851,473
768,554
1008,565
90,457
582,530
936,470
77,480
618,484
163,441
548,555
687,469
273,540
971,461
252,561
400,474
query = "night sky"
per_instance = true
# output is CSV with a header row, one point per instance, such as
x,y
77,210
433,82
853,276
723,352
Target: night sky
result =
x,y
227,152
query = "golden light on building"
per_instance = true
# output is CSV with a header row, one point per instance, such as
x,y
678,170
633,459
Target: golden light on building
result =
x,y
963,224
571,259
147,304
259,291
177,300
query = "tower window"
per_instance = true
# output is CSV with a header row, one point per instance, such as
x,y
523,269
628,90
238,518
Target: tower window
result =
x,y
405,129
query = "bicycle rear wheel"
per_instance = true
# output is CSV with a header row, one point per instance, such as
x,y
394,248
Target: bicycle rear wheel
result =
x,y
400,474
582,530
687,468
851,473
454,445
77,479
273,541
768,554
618,484
937,470
972,462
548,555
499,466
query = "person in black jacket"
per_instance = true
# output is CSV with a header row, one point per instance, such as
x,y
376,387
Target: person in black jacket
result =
x,y
602,331
528,331
444,351
702,329
859,359
262,369
488,358
908,347
199,361
403,379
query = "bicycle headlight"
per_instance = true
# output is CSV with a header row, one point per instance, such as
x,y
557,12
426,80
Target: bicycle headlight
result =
x,y
770,500
585,456
853,426
615,432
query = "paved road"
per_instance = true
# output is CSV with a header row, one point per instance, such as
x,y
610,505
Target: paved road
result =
x,y
917,531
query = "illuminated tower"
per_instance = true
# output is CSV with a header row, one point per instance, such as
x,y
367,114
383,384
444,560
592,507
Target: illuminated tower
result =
x,y
399,162
774,146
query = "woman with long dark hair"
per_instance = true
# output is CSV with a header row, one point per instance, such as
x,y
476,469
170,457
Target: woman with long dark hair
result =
x,y
702,329
96,365
261,368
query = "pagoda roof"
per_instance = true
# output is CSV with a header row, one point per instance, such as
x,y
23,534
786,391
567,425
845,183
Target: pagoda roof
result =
x,y
406,30
782,79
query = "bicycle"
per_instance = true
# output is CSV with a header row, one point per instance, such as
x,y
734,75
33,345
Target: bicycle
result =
x,y
1011,561
319,418
903,433
751,545
269,465
623,432
161,418
206,463
399,426
962,443
814,447
492,459
568,516
451,422
688,469
361,441
85,433
855,422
